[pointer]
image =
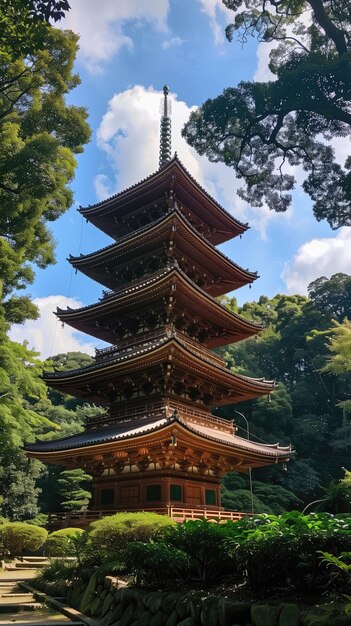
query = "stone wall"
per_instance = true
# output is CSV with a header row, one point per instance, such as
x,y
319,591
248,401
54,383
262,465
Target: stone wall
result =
x,y
112,606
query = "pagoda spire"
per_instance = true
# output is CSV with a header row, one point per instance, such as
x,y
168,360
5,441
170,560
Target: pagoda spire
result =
x,y
165,129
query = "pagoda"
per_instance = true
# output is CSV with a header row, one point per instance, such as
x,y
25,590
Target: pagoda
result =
x,y
158,444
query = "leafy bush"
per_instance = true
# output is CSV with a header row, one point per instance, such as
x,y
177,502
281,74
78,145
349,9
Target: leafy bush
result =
x,y
204,543
283,551
155,563
111,534
15,537
63,542
264,551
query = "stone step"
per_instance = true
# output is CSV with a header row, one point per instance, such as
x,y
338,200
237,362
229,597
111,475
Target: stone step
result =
x,y
42,622
16,594
30,565
16,607
35,558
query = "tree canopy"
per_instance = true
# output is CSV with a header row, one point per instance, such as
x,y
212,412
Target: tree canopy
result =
x,y
265,130
24,24
39,136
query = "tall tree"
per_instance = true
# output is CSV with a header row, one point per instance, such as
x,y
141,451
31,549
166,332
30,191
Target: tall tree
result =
x,y
260,127
39,136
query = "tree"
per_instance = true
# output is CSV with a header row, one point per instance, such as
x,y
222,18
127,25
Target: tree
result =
x,y
24,24
259,128
76,498
39,136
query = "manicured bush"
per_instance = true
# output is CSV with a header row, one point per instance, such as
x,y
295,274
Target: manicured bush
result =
x,y
18,537
112,533
63,542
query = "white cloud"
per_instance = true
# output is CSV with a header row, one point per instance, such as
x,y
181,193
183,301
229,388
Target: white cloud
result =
x,y
101,26
102,187
173,41
45,335
215,10
318,257
129,135
262,73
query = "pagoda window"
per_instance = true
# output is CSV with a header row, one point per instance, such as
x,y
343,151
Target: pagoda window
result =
x,y
176,493
153,493
107,496
210,496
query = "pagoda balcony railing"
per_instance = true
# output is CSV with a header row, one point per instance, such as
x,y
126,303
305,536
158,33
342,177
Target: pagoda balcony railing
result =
x,y
160,409
151,410
134,340
81,519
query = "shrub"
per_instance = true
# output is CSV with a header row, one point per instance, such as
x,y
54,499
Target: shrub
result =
x,y
16,537
112,533
63,542
156,563
205,545
283,551
39,520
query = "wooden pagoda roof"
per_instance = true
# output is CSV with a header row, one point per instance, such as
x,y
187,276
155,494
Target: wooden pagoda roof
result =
x,y
150,431
220,273
171,178
98,319
168,350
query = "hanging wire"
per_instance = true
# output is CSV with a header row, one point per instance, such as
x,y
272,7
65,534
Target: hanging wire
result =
x,y
251,435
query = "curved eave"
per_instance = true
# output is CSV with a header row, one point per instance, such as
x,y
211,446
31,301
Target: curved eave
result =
x,y
85,318
230,275
204,437
207,208
162,351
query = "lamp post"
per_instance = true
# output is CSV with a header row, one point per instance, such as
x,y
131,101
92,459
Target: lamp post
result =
x,y
250,471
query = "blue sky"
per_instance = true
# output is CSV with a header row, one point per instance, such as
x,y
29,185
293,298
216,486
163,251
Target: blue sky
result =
x,y
128,50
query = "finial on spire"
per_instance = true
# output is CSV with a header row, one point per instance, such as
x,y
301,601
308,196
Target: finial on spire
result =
x,y
165,130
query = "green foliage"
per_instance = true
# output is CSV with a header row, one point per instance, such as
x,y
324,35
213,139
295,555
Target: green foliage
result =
x,y
240,500
18,490
39,135
18,537
56,571
204,544
112,533
63,542
70,487
24,24
265,552
283,551
260,127
155,564
337,496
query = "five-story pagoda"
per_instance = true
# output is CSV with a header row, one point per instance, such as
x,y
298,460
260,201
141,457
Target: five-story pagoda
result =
x,y
158,444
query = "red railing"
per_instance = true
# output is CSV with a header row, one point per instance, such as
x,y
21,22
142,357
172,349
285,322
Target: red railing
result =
x,y
82,519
